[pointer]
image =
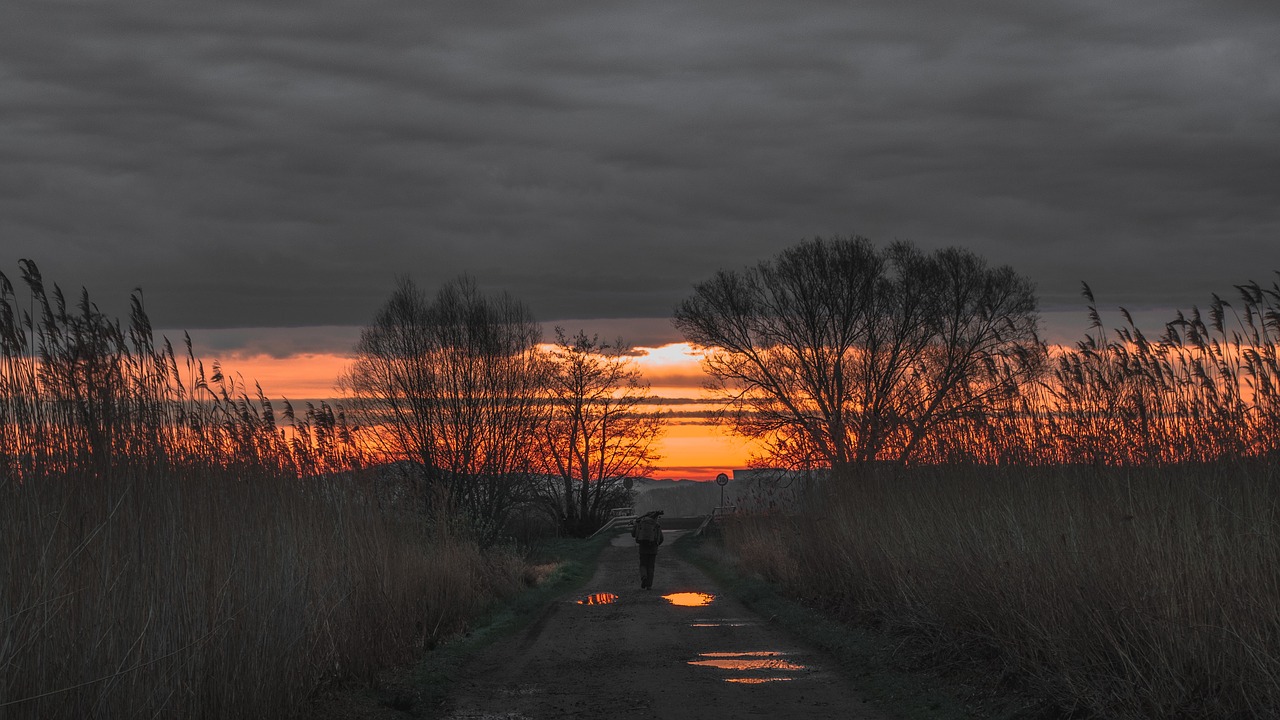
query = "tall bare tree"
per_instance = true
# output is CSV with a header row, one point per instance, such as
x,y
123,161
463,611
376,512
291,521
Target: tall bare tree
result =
x,y
455,384
979,343
835,353
597,433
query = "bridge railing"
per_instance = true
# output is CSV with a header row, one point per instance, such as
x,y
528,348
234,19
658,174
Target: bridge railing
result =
x,y
616,520
716,512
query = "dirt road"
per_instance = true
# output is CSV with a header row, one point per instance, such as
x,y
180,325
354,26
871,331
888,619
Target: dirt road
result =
x,y
640,655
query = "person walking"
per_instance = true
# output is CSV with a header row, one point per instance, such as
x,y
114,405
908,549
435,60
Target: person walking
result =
x,y
648,534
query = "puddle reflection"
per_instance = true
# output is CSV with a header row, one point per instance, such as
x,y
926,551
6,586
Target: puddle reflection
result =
x,y
751,661
748,664
689,599
599,599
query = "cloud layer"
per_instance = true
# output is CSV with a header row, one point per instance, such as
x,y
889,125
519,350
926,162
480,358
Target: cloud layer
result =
x,y
279,164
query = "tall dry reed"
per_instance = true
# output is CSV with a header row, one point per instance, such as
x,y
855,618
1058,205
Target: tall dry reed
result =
x,y
1207,389
173,546
214,594
1110,532
81,395
1125,593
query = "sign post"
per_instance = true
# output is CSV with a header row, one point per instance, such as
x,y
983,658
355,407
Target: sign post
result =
x,y
722,480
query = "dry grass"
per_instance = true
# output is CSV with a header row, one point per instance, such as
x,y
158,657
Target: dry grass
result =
x,y
535,575
1130,594
216,596
171,546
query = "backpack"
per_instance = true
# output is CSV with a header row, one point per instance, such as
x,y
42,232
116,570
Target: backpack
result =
x,y
647,530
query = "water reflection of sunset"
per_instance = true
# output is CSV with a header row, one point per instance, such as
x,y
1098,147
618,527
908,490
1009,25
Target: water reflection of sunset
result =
x,y
599,599
689,599
757,660
746,664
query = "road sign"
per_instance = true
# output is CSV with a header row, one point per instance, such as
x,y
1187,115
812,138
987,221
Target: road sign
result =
x,y
722,480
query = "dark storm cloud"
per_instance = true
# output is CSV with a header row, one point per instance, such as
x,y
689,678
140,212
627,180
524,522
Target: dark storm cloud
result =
x,y
276,342
632,334
279,164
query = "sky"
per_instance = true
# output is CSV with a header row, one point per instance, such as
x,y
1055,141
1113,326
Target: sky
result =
x,y
265,171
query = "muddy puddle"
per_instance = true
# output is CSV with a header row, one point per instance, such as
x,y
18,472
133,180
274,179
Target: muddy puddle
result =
x,y
689,599
756,667
603,598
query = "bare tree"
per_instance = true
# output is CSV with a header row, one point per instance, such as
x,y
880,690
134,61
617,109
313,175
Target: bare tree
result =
x,y
983,347
835,354
455,385
782,341
596,433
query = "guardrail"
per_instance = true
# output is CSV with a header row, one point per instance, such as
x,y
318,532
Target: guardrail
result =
x,y
614,522
719,511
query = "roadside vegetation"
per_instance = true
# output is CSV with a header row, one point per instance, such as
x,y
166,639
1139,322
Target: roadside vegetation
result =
x,y
894,669
1129,593
556,567
208,594
173,545
1095,523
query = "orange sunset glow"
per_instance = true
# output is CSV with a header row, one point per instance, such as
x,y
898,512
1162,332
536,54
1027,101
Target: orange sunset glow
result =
x,y
298,377
691,448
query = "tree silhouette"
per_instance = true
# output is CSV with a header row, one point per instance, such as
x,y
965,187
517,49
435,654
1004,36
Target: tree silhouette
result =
x,y
455,384
596,434
835,353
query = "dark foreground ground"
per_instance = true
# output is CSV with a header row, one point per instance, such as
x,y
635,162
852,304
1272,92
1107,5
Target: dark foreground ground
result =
x,y
638,655
611,650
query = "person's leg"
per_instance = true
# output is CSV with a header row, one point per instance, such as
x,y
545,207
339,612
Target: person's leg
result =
x,y
648,570
644,573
